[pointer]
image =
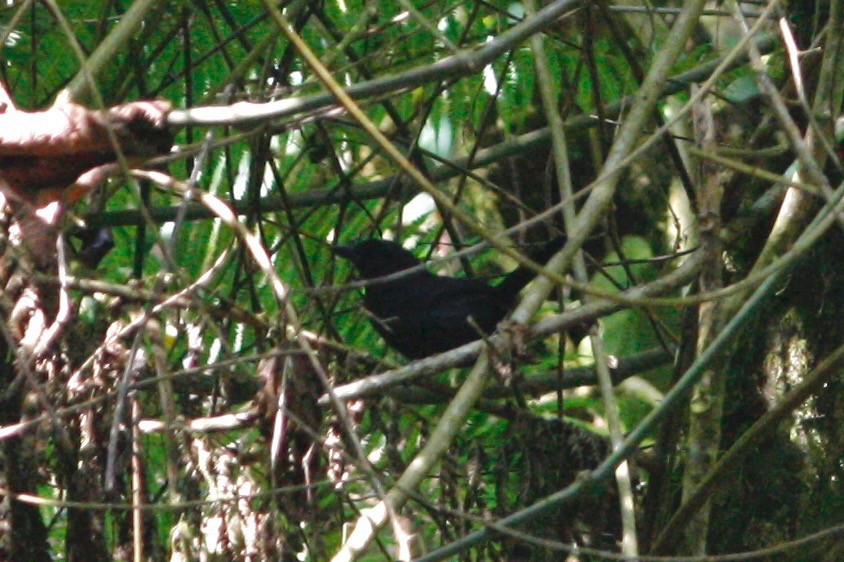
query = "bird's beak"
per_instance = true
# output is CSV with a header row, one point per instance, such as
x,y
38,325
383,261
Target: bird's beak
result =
x,y
344,251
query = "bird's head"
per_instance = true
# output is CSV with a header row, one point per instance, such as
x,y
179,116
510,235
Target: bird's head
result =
x,y
377,258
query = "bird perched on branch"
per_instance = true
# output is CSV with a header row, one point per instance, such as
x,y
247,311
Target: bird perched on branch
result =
x,y
419,314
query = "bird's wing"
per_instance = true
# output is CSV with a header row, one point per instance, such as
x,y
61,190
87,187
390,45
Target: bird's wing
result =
x,y
438,314
448,298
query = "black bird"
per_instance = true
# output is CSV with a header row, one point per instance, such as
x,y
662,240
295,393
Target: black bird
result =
x,y
420,314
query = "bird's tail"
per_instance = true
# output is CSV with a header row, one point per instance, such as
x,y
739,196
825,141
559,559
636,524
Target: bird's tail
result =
x,y
516,280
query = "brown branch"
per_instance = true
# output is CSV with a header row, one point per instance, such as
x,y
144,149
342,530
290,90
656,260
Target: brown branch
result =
x,y
45,153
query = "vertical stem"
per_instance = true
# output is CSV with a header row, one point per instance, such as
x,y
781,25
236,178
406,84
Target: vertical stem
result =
x,y
707,400
628,135
629,543
137,484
